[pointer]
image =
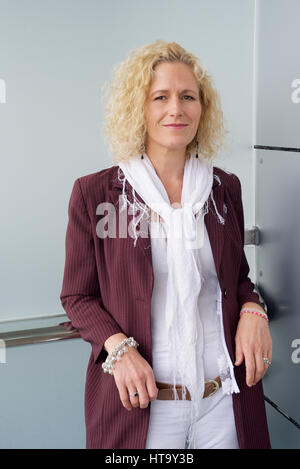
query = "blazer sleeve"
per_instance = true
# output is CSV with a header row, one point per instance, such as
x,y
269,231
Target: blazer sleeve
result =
x,y
245,286
80,295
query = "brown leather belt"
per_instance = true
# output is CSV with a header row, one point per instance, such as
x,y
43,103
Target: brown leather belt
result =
x,y
165,390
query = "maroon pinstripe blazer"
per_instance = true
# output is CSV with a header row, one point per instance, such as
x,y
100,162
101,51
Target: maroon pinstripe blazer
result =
x,y
107,288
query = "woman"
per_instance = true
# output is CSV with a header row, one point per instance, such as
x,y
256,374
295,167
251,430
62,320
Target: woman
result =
x,y
169,289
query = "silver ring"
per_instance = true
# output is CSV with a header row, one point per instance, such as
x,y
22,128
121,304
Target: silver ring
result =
x,y
135,394
266,360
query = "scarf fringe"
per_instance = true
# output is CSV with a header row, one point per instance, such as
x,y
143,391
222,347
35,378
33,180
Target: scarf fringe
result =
x,y
220,218
137,206
134,207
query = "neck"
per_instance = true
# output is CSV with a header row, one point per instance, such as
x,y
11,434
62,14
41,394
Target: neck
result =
x,y
168,164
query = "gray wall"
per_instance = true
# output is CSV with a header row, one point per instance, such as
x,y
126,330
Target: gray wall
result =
x,y
42,389
277,205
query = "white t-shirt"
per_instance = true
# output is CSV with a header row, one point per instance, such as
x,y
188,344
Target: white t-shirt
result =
x,y
216,360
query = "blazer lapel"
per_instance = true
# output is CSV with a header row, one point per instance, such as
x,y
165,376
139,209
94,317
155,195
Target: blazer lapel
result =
x,y
214,228
142,243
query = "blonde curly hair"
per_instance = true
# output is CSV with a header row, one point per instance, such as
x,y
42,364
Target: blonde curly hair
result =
x,y
124,124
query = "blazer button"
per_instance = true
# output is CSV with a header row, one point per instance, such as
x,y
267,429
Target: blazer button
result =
x,y
225,293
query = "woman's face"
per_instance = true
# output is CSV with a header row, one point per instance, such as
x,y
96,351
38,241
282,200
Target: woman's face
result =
x,y
173,98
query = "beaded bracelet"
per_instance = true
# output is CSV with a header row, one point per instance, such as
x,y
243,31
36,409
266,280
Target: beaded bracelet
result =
x,y
255,311
116,354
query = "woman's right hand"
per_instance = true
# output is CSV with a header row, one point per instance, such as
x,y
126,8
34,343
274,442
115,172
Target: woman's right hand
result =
x,y
134,374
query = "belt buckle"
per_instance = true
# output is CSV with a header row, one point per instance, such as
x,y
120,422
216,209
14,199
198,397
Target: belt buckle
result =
x,y
216,384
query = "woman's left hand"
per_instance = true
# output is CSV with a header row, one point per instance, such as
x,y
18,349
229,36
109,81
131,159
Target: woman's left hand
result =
x,y
253,342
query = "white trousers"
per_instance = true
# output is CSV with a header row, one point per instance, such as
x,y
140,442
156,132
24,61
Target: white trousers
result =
x,y
170,420
215,429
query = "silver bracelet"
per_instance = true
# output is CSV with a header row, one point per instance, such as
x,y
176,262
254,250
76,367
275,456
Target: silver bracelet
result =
x,y
116,354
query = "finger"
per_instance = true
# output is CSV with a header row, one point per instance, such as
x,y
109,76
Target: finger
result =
x,y
270,353
239,355
143,395
134,400
260,366
151,387
250,367
266,365
123,392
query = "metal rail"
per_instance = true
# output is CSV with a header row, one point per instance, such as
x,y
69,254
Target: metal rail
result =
x,y
39,335
62,331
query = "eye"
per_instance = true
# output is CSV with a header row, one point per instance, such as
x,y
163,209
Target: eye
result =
x,y
190,97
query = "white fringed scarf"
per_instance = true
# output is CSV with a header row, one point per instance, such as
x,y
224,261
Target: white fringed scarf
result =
x,y
185,233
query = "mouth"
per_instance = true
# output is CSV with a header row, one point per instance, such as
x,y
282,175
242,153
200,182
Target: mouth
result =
x,y
176,126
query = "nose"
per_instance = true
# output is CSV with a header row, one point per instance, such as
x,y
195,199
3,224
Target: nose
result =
x,y
175,108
